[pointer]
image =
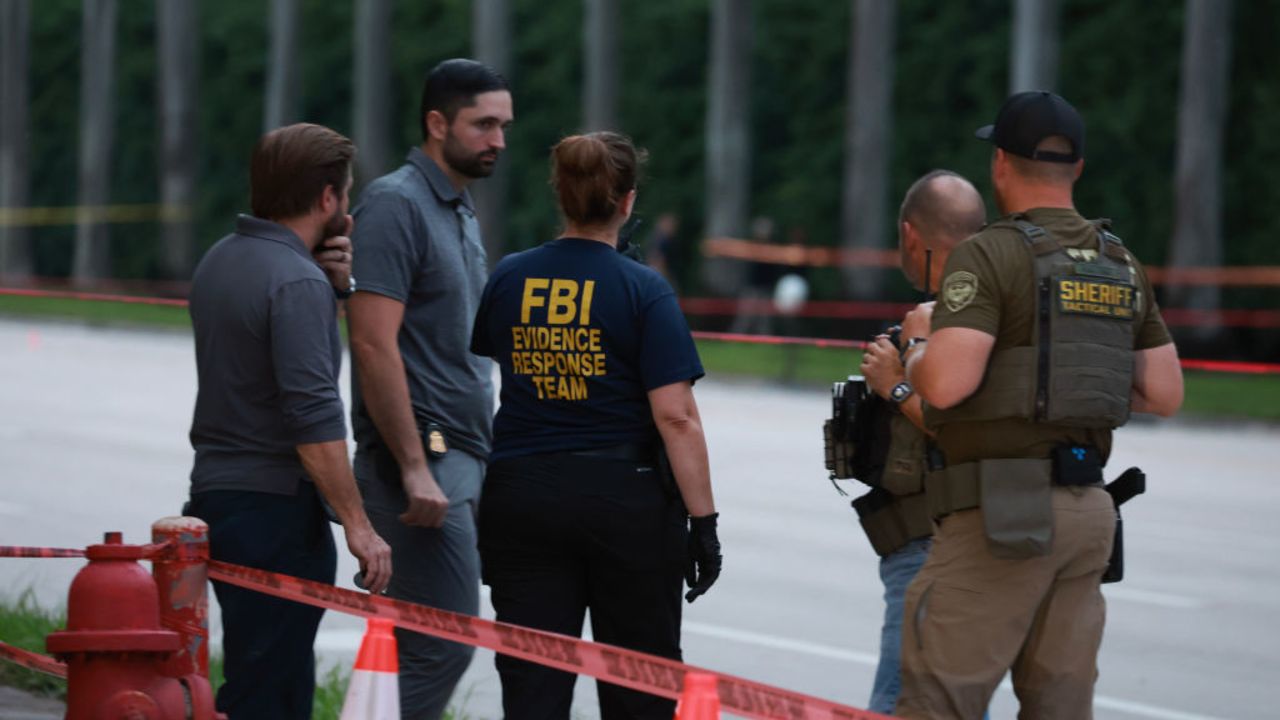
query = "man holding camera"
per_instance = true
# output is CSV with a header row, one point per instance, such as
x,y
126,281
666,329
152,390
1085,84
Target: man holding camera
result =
x,y
939,210
1045,338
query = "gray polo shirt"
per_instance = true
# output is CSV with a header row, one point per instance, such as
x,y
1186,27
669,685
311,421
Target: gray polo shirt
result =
x,y
416,240
267,357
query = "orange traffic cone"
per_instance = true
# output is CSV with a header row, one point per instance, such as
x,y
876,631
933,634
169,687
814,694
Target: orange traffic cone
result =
x,y
700,700
374,692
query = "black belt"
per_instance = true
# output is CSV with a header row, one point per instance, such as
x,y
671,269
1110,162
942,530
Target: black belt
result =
x,y
630,452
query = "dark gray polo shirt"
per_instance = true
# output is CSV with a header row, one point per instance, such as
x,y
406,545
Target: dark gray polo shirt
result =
x,y
416,240
267,356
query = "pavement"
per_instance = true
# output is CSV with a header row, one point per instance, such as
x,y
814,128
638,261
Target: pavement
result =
x,y
93,427
18,705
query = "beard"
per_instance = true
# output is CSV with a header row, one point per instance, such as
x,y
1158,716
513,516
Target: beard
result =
x,y
336,225
472,165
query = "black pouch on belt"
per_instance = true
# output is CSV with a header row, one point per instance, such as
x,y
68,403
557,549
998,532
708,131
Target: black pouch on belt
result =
x,y
1079,465
1017,506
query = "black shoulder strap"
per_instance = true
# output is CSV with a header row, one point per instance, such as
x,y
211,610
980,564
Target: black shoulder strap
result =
x,y
1030,231
1108,242
1039,241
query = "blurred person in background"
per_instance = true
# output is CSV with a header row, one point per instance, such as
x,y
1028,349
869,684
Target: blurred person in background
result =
x,y
662,250
598,494
754,314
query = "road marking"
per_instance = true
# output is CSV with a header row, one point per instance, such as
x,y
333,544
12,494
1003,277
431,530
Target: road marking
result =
x,y
1151,711
1169,600
343,641
777,643
835,653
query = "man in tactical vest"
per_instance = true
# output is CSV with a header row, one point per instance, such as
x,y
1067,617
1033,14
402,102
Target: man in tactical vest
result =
x,y
939,210
1044,338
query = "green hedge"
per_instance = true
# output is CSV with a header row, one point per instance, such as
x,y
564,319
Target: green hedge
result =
x,y
1119,64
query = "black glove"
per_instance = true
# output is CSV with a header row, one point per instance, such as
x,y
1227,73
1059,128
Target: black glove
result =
x,y
703,566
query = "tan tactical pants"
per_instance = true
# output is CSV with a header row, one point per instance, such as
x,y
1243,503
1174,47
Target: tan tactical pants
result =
x,y
971,616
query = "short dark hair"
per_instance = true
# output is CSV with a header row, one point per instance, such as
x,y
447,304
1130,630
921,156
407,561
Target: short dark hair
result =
x,y
453,85
1054,172
291,166
592,173
936,213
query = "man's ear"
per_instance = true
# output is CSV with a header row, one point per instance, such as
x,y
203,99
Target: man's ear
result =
x,y
437,125
328,201
910,238
1079,168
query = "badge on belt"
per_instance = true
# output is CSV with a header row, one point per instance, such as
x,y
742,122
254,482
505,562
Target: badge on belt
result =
x,y
436,446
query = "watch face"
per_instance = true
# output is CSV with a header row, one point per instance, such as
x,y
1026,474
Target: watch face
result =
x,y
900,392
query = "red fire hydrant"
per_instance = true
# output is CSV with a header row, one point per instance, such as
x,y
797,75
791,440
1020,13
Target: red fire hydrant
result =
x,y
119,660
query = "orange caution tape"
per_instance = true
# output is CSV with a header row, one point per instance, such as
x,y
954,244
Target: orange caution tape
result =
x,y
32,661
828,256
628,668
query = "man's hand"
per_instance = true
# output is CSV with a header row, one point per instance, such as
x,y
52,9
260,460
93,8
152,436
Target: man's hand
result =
x,y
918,321
374,555
334,256
427,503
704,562
881,366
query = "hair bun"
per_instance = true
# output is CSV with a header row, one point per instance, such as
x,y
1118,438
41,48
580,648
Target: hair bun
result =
x,y
592,173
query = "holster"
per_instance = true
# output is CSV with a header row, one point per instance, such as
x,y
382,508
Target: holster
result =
x,y
1131,482
838,452
891,521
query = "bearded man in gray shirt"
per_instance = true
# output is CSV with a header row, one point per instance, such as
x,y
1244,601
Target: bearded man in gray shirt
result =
x,y
268,431
423,404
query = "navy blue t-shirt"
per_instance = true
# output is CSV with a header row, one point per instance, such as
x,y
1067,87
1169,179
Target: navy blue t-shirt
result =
x,y
582,334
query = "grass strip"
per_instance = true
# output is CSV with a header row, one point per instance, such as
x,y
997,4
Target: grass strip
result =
x,y
1208,394
24,624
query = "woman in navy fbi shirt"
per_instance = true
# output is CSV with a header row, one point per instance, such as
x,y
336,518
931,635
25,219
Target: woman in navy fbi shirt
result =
x,y
579,508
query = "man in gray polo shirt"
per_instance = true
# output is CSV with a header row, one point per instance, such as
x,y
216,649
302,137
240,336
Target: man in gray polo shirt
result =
x,y
268,431
423,404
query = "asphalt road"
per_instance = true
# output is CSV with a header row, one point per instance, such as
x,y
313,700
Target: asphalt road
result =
x,y
93,438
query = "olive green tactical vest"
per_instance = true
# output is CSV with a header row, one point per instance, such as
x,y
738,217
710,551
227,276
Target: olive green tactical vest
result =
x,y
1079,370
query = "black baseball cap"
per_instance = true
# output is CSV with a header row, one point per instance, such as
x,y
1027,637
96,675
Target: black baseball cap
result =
x,y
1026,118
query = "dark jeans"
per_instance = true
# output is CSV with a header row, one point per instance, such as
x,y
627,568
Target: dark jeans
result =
x,y
562,533
267,642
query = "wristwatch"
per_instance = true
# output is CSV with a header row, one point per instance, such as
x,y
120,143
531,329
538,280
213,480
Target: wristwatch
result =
x,y
913,342
901,392
351,289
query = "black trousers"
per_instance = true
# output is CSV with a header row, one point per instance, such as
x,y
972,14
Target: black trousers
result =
x,y
267,642
561,533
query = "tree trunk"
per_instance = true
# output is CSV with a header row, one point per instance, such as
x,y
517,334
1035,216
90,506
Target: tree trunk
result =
x,y
92,260
1202,110
179,43
600,66
372,88
1033,54
728,135
867,141
491,43
281,106
15,249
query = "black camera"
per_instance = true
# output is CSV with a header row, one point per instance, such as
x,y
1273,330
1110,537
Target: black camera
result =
x,y
856,438
846,397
